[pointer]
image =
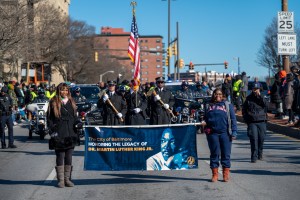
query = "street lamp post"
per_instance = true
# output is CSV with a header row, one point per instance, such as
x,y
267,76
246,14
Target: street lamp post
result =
x,y
101,75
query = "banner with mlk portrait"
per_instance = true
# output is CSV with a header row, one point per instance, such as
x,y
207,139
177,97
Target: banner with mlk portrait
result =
x,y
141,147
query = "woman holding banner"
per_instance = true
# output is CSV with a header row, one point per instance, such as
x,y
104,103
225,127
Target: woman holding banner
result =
x,y
62,122
221,129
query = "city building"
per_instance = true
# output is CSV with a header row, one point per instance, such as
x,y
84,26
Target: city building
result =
x,y
114,41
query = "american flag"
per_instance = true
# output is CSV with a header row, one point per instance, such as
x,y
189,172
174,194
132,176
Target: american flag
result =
x,y
134,49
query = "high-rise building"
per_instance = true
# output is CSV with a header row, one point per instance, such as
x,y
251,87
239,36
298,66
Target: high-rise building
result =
x,y
115,41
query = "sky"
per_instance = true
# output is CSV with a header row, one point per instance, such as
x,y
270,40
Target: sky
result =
x,y
210,31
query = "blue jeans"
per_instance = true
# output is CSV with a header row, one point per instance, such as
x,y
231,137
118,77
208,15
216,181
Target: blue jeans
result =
x,y
9,122
219,144
256,133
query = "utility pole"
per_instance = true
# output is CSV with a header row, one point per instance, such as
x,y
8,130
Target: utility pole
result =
x,y
178,57
169,33
285,58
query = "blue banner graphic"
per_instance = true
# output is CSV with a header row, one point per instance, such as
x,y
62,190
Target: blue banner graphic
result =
x,y
140,148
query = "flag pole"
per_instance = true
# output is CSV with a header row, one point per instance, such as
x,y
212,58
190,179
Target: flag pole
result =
x,y
133,4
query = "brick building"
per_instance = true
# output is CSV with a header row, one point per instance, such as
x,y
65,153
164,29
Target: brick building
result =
x,y
114,41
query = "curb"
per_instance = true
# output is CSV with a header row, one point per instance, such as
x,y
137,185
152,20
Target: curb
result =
x,y
284,130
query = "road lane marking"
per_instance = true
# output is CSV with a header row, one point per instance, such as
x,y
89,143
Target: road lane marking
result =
x,y
51,177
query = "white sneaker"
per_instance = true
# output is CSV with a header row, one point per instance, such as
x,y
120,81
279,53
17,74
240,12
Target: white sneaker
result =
x,y
15,123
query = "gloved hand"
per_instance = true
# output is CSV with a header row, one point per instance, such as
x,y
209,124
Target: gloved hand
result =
x,y
53,134
119,115
137,110
105,97
166,106
78,125
157,98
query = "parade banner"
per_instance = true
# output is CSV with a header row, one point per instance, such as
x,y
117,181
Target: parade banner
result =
x,y
140,147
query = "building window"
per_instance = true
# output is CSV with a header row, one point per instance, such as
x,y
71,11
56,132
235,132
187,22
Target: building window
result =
x,y
157,60
146,41
158,73
144,66
107,46
157,66
146,60
141,41
157,47
144,72
157,41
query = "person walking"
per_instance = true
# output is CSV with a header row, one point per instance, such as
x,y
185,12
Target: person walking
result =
x,y
276,97
160,113
62,122
236,88
254,112
136,105
220,129
6,107
110,117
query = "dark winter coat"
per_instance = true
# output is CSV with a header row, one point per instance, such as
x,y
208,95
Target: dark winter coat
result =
x,y
63,126
275,92
254,109
109,115
288,94
158,114
135,101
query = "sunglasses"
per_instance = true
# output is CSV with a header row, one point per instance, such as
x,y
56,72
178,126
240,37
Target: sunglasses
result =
x,y
160,81
110,85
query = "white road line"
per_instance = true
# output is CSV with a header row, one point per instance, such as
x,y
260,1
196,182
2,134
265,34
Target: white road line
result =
x,y
51,176
220,168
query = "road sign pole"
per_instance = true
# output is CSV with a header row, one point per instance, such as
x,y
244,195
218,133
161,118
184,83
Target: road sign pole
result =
x,y
285,58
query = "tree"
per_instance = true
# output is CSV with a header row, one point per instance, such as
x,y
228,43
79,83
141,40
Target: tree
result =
x,y
267,54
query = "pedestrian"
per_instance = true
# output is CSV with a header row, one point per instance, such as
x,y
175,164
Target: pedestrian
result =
x,y
227,88
62,122
244,87
6,106
114,106
276,97
220,129
160,103
136,105
288,92
254,112
236,88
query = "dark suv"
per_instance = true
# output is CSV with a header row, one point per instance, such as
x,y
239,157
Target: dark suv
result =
x,y
90,92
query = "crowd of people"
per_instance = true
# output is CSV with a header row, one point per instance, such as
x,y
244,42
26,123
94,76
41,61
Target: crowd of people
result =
x,y
130,103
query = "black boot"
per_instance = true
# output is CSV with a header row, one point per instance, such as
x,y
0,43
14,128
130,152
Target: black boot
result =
x,y
3,146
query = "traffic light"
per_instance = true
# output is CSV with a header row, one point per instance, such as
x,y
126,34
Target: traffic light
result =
x,y
181,63
96,56
226,65
167,61
191,66
169,52
174,49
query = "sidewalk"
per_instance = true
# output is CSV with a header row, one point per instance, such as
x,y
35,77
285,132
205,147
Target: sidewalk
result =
x,y
277,126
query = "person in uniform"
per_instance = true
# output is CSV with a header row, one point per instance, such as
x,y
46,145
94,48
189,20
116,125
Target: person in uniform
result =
x,y
255,116
78,97
160,103
110,117
136,105
6,118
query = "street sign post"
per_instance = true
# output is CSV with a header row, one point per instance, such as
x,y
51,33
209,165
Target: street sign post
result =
x,y
285,22
286,44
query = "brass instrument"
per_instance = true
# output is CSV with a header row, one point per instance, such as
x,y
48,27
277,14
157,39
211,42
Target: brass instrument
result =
x,y
173,118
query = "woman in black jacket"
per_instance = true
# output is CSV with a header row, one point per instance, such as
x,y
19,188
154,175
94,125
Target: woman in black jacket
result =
x,y
61,122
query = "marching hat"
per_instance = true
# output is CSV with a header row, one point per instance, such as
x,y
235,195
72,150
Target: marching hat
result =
x,y
160,79
111,82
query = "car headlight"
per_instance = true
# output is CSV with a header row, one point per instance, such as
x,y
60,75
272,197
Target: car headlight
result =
x,y
94,107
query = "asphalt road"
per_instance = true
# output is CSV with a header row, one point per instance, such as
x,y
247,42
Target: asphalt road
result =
x,y
28,173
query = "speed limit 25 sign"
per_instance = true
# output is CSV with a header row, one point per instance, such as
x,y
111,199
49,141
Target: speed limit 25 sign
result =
x,y
285,22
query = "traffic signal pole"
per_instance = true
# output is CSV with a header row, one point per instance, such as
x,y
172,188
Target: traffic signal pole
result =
x,y
285,58
178,58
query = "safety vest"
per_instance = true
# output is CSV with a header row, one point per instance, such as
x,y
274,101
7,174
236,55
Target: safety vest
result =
x,y
49,95
236,86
